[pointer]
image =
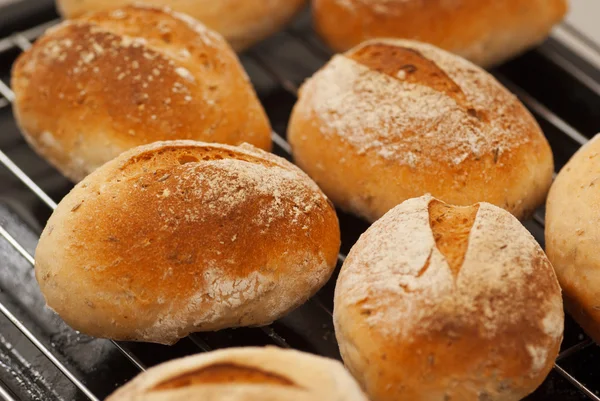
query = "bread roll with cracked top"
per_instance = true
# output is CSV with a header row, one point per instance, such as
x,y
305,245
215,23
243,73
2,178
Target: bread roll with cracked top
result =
x,y
244,374
183,236
572,235
391,120
94,87
485,32
438,302
241,22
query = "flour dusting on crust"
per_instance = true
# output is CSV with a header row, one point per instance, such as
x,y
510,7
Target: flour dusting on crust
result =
x,y
409,122
400,285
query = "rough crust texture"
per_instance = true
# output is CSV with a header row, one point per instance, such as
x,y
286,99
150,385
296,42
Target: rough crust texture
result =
x,y
392,119
244,374
94,87
418,319
183,236
572,235
485,32
241,22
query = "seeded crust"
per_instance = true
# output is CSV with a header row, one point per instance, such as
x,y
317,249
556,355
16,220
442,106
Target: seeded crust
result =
x,y
244,374
392,119
184,236
94,87
440,302
241,22
485,32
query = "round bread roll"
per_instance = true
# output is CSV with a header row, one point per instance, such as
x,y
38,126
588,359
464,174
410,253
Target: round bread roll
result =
x,y
92,88
391,120
573,235
244,374
183,236
241,22
438,302
485,32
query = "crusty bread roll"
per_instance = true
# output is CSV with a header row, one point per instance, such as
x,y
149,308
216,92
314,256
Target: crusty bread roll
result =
x,y
391,120
485,32
438,302
183,236
573,235
93,87
244,374
241,22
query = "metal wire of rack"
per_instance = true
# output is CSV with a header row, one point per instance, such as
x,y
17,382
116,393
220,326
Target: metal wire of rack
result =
x,y
23,40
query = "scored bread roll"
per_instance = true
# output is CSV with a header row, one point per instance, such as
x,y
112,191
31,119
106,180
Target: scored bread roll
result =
x,y
391,120
241,22
183,236
94,87
440,302
573,235
244,374
485,32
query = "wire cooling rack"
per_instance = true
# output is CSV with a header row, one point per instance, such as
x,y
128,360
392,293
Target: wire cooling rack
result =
x,y
41,358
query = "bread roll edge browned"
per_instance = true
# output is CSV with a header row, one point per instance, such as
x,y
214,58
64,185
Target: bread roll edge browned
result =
x,y
245,374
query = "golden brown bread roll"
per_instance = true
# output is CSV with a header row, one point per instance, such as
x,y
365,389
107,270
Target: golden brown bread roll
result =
x,y
244,374
93,87
183,236
572,235
485,32
241,22
438,302
391,120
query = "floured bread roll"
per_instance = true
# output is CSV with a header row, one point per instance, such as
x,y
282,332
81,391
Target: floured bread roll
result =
x,y
244,374
183,236
241,22
485,32
440,302
96,86
391,120
573,235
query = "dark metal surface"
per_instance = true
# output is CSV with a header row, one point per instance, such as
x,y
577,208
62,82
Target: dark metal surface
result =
x,y
558,88
22,14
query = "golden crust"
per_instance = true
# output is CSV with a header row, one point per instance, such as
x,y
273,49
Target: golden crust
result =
x,y
572,235
241,22
269,374
185,236
391,120
116,80
412,326
485,32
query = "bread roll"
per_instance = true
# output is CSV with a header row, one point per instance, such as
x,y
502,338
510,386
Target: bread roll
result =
x,y
438,302
244,374
485,32
391,120
241,22
183,236
573,235
93,87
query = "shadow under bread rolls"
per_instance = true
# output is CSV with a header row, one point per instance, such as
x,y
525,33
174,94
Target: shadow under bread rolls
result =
x,y
183,236
244,374
94,87
438,302
241,22
573,235
391,120
485,32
